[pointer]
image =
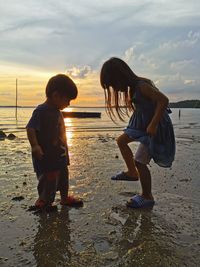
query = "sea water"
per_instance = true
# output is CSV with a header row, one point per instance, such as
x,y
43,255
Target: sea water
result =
x,y
186,125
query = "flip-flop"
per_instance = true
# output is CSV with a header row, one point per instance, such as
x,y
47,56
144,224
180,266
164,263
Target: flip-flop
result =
x,y
122,176
139,202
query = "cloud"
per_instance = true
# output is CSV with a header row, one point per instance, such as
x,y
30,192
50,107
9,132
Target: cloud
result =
x,y
181,65
5,94
191,82
192,40
79,72
129,54
158,39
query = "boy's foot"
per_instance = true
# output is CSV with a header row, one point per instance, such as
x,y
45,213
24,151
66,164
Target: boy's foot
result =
x,y
41,205
72,202
122,176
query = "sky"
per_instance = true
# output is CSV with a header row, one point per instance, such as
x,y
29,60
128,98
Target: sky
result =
x,y
159,39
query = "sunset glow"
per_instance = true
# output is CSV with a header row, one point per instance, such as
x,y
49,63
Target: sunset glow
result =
x,y
160,41
32,84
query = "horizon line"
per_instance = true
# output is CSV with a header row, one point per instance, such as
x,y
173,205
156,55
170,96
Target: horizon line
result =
x,y
21,106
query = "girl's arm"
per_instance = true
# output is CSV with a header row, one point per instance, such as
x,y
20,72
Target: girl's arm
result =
x,y
161,102
35,147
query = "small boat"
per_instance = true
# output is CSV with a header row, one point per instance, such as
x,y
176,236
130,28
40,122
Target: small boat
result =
x,y
76,114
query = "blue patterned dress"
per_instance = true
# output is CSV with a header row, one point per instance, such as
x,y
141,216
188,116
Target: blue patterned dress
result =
x,y
161,146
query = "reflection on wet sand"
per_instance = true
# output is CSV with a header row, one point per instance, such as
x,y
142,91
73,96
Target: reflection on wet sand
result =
x,y
52,247
145,241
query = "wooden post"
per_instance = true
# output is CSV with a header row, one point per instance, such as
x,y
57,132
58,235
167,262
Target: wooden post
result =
x,y
179,113
16,101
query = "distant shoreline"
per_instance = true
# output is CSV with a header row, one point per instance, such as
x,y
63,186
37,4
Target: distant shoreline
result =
x,y
186,104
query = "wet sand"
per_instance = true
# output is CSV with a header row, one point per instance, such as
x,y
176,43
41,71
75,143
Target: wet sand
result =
x,y
103,232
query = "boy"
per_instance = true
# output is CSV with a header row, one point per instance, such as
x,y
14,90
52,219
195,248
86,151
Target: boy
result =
x,y
47,137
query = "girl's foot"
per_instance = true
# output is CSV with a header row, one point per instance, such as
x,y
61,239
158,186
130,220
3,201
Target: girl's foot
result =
x,y
132,174
123,176
147,196
139,202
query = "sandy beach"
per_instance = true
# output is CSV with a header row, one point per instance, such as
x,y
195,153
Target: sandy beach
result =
x,y
103,232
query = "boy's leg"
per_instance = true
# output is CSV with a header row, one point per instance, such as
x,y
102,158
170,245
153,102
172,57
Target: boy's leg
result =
x,y
47,184
127,154
63,184
63,187
142,158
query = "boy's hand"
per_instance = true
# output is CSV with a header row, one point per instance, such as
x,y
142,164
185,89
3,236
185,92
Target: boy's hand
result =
x,y
37,152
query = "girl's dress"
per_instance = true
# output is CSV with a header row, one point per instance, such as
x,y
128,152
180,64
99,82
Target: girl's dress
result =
x,y
161,146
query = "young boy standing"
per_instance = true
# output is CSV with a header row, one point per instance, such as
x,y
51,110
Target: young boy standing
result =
x,y
47,137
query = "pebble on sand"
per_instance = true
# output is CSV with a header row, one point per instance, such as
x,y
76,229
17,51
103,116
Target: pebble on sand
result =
x,y
19,198
2,135
11,136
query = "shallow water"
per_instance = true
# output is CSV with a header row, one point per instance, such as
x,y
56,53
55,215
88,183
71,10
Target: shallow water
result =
x,y
104,232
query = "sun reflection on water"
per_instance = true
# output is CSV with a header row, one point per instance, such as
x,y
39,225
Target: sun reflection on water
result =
x,y
69,109
69,131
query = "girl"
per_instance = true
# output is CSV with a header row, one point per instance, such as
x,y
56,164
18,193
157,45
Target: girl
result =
x,y
149,124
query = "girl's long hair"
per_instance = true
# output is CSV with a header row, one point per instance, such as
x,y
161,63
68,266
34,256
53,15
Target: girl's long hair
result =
x,y
118,82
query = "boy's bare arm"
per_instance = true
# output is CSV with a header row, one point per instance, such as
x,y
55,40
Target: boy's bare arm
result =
x,y
35,147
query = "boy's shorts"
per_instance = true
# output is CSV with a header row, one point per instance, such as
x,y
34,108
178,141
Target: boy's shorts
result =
x,y
142,154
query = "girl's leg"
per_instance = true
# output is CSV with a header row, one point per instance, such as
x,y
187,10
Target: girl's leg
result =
x,y
127,154
145,180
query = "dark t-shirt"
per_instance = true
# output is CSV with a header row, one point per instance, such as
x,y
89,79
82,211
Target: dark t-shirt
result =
x,y
49,125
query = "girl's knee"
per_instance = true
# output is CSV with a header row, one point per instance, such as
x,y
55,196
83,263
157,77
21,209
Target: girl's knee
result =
x,y
121,141
140,165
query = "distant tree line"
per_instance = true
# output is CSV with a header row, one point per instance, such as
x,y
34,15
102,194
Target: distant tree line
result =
x,y
186,104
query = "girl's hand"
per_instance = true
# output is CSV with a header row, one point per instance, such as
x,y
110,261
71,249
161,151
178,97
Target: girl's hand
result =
x,y
37,152
152,129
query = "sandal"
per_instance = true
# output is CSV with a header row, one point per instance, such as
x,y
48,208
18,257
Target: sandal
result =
x,y
72,202
41,205
122,176
138,202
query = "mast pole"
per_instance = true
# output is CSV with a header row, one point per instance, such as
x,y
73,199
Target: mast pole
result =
x,y
16,98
